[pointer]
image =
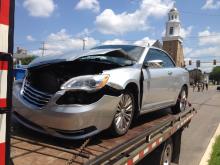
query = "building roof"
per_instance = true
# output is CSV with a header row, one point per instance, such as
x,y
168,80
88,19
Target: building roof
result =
x,y
173,9
158,44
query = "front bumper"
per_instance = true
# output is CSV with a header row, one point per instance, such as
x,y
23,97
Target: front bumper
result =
x,y
65,121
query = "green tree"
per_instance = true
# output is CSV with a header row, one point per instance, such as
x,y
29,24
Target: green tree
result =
x,y
27,60
215,74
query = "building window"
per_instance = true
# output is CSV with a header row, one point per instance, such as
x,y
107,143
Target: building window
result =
x,y
172,17
171,30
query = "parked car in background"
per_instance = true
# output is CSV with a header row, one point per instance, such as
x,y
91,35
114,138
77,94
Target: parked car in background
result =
x,y
79,94
19,72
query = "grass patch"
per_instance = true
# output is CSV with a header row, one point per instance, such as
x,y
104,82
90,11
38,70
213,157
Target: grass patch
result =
x,y
215,156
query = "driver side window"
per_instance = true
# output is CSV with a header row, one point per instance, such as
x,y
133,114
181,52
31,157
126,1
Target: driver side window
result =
x,y
153,59
158,59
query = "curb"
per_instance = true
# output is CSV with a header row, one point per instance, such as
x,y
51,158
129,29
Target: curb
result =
x,y
208,152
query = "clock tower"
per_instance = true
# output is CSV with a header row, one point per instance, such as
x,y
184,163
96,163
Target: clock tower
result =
x,y
172,41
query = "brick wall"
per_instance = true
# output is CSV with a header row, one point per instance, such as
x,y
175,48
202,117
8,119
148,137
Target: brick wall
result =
x,y
175,50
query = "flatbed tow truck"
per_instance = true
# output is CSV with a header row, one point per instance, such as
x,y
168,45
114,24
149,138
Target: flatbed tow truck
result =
x,y
160,131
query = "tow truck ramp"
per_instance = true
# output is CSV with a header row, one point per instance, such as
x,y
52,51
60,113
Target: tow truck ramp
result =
x,y
129,149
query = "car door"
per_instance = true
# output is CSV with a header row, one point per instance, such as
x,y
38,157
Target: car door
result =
x,y
173,76
156,82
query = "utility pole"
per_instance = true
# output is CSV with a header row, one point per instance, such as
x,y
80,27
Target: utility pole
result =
x,y
84,43
43,48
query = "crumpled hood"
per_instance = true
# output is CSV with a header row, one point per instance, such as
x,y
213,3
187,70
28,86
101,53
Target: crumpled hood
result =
x,y
50,59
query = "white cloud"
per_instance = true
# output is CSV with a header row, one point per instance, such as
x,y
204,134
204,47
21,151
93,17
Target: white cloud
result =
x,y
115,42
206,51
145,41
30,38
211,4
208,45
142,42
39,8
109,22
47,52
207,37
61,42
187,51
88,5
185,32
163,32
85,33
157,8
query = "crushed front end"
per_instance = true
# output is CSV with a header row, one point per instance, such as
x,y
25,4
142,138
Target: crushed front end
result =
x,y
54,99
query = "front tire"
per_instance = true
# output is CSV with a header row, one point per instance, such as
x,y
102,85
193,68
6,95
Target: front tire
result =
x,y
181,102
124,115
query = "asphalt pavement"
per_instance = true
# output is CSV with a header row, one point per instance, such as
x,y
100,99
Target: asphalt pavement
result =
x,y
203,126
196,137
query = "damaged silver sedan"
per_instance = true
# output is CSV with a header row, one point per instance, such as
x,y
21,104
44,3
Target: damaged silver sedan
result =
x,y
80,94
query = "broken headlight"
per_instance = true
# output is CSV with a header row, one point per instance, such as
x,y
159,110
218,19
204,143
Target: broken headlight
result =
x,y
87,83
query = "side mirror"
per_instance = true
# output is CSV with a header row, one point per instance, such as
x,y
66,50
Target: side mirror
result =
x,y
145,65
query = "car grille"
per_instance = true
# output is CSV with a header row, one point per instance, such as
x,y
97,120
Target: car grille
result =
x,y
35,96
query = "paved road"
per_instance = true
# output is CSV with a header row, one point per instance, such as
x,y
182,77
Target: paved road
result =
x,y
196,138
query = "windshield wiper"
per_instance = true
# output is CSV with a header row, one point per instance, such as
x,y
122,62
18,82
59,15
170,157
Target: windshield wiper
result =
x,y
100,60
106,61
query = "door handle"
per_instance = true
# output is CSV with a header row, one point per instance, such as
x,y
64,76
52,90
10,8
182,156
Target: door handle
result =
x,y
170,73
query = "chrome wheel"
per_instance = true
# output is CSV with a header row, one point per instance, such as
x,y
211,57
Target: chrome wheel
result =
x,y
124,114
183,100
167,156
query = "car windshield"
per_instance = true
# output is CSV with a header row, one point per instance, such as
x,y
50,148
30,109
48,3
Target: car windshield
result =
x,y
133,51
108,59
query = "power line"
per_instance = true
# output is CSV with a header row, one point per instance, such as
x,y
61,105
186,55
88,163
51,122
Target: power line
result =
x,y
205,36
102,40
199,13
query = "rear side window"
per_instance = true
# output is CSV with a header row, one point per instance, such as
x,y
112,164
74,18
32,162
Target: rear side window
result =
x,y
161,59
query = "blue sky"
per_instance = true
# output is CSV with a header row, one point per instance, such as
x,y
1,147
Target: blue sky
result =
x,y
63,24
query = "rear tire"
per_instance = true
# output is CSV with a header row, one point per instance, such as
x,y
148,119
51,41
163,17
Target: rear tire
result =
x,y
124,115
166,156
181,102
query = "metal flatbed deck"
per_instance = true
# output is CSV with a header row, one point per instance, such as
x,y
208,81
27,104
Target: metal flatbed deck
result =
x,y
28,147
